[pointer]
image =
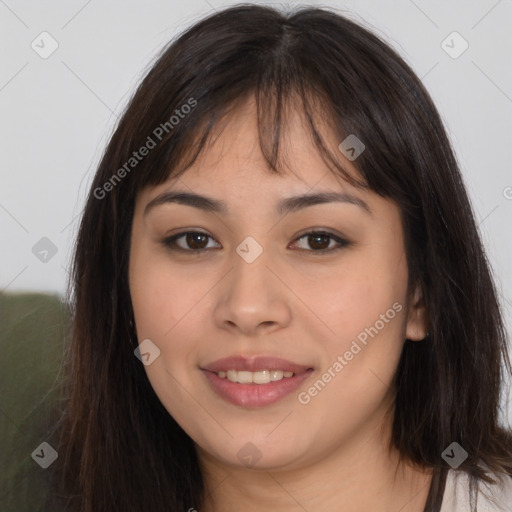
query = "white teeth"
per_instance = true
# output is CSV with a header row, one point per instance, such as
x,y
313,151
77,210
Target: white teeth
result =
x,y
276,375
259,377
245,377
262,377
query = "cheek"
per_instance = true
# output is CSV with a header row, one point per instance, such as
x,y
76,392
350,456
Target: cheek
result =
x,y
365,314
166,309
353,295
169,306
163,297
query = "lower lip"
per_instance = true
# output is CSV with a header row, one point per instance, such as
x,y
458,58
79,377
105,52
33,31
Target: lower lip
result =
x,y
255,395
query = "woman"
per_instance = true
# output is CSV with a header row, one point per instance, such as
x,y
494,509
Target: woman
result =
x,y
280,298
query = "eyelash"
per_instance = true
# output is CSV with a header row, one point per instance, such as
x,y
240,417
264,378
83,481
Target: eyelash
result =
x,y
170,242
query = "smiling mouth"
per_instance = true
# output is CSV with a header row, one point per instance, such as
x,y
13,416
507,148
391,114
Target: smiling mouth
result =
x,y
256,389
255,381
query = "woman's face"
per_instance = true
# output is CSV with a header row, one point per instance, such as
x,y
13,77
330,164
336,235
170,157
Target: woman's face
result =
x,y
330,309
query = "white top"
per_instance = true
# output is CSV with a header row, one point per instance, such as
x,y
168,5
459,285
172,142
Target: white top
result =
x,y
491,498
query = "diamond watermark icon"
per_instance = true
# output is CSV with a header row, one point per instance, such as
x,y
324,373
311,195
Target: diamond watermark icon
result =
x,y
44,250
454,45
249,455
44,455
351,147
249,249
454,455
147,352
44,45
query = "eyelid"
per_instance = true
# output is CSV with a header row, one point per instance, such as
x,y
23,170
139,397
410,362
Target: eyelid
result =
x,y
341,241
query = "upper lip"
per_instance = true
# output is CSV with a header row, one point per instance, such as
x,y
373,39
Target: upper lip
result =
x,y
254,364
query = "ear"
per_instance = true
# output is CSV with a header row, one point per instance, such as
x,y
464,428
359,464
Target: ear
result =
x,y
417,318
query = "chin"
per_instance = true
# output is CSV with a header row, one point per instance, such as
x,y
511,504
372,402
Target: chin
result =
x,y
257,453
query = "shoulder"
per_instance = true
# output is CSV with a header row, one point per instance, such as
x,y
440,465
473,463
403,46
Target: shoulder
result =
x,y
490,498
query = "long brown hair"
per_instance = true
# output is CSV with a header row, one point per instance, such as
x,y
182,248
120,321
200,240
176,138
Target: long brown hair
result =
x,y
119,448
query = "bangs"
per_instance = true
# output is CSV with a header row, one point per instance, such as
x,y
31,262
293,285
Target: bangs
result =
x,y
275,103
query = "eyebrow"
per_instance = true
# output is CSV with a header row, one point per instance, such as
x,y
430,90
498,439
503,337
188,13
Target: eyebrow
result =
x,y
287,205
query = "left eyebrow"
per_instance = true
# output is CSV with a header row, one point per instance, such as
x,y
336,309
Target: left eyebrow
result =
x,y
287,205
294,203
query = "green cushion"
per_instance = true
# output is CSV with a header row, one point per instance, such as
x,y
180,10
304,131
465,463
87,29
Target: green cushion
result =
x,y
33,327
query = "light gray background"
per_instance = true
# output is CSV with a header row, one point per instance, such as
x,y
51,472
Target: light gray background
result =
x,y
57,113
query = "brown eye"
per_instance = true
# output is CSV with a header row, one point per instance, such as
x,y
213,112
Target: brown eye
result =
x,y
320,242
190,241
196,240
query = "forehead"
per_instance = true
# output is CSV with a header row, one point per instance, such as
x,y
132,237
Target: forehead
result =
x,y
232,159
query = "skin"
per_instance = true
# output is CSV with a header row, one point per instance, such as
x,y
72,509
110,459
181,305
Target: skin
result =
x,y
291,302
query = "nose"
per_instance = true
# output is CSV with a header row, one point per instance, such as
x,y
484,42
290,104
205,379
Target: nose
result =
x,y
253,298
